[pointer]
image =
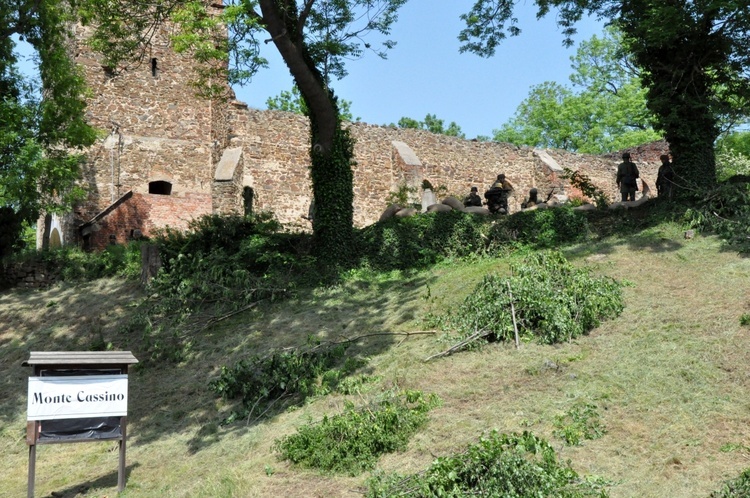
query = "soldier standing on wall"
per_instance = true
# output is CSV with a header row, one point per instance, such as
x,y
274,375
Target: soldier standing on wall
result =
x,y
627,174
665,178
497,195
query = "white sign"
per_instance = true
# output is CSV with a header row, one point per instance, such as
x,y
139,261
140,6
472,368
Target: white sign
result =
x,y
54,398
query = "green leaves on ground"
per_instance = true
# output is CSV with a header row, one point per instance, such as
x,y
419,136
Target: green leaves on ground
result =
x,y
259,382
554,301
499,465
352,441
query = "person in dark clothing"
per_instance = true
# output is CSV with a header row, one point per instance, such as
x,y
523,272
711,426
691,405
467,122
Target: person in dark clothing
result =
x,y
627,174
497,195
533,199
473,198
665,178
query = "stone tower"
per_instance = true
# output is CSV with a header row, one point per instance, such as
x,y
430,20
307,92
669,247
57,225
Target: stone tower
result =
x,y
158,161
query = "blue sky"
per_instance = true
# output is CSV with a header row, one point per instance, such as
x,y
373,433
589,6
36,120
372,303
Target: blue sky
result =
x,y
425,73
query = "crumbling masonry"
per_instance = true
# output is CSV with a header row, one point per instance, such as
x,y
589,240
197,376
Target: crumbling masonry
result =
x,y
167,156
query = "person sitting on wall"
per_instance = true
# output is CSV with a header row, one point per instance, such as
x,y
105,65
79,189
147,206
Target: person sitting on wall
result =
x,y
532,200
473,198
497,195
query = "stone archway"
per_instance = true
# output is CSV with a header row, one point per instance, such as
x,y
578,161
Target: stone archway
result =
x,y
55,241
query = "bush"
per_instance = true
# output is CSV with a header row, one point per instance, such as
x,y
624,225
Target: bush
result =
x,y
260,381
75,265
553,301
738,487
351,442
499,465
549,228
419,241
725,211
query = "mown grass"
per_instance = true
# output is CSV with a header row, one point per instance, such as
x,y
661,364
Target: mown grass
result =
x,y
670,378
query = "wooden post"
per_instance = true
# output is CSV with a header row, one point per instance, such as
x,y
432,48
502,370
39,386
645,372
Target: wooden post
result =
x,y
121,467
513,313
31,433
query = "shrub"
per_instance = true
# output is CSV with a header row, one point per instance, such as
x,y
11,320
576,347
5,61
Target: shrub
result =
x,y
553,301
75,265
351,442
579,423
738,487
725,211
548,228
501,465
260,381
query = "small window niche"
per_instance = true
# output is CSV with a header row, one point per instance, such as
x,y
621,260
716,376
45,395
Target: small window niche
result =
x,y
247,200
154,67
160,187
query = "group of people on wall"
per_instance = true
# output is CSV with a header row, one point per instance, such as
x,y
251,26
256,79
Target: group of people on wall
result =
x,y
496,197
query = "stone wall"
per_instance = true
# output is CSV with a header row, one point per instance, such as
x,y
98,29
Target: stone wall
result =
x,y
276,152
26,275
157,132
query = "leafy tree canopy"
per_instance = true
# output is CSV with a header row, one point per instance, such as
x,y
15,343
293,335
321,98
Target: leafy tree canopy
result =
x,y
38,136
291,101
432,124
693,57
606,113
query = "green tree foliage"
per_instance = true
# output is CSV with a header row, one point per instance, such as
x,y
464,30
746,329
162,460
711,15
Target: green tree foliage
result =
x,y
604,112
432,124
291,101
693,59
38,136
314,37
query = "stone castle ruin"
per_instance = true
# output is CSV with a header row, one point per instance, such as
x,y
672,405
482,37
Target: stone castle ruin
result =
x,y
167,156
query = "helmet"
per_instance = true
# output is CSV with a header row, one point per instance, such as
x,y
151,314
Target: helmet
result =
x,y
626,155
474,189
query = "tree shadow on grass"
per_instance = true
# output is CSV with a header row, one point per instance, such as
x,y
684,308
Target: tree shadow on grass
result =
x,y
106,481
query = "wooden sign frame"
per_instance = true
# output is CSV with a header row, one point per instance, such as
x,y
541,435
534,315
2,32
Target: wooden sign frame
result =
x,y
58,363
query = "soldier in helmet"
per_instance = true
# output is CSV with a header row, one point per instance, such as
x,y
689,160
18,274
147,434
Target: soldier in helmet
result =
x,y
627,174
473,198
533,199
497,195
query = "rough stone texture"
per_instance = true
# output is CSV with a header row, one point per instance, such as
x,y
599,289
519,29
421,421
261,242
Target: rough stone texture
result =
x,y
27,275
155,129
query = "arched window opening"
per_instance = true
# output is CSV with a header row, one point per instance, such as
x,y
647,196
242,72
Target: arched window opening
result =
x,y
247,200
160,187
55,241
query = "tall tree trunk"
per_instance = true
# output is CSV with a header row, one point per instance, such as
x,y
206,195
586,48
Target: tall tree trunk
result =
x,y
331,147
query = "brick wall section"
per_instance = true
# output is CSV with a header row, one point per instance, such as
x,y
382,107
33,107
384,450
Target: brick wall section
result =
x,y
147,212
156,129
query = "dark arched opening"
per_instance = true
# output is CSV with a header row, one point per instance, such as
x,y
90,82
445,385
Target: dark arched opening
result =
x,y
160,187
247,200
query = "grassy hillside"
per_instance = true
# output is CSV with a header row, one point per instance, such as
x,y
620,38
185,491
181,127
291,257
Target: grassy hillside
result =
x,y
670,378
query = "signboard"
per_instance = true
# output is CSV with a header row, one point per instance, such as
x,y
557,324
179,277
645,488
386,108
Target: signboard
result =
x,y
70,397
